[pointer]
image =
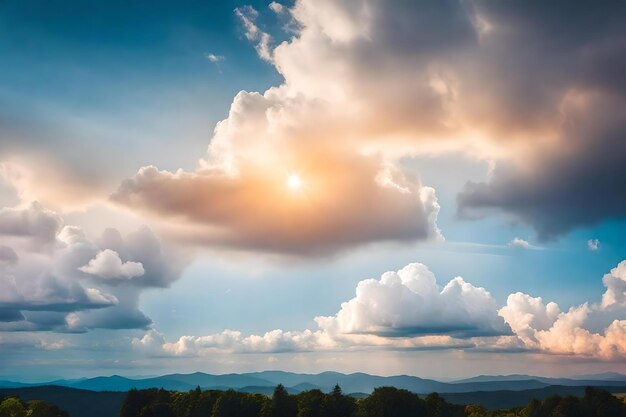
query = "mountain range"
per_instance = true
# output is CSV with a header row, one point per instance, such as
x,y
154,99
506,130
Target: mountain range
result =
x,y
264,382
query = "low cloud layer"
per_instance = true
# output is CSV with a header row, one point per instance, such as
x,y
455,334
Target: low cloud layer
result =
x,y
407,310
52,277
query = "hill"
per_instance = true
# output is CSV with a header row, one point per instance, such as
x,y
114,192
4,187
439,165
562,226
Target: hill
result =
x,y
507,399
355,382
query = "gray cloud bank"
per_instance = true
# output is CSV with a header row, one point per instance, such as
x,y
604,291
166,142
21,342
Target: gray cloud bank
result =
x,y
52,277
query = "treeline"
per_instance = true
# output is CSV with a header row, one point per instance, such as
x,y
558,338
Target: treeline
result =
x,y
14,407
595,403
383,402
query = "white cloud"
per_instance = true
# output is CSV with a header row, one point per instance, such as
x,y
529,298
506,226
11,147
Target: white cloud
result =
x,y
214,58
277,8
568,336
275,341
615,283
545,328
525,314
410,303
406,309
593,245
248,15
107,264
520,243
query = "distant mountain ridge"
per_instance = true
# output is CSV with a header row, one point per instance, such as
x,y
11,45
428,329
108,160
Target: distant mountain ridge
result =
x,y
608,379
265,381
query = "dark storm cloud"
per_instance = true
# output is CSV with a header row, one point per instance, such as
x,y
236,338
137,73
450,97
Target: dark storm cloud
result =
x,y
580,186
559,67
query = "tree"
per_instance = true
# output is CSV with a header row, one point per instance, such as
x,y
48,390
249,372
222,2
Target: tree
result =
x,y
392,402
12,407
438,407
38,408
133,403
473,410
338,405
228,404
568,407
159,409
600,403
310,403
282,405
253,405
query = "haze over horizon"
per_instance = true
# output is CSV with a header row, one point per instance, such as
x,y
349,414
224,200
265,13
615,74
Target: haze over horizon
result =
x,y
422,188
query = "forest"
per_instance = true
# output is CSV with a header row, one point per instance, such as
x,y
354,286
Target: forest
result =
x,y
383,402
14,407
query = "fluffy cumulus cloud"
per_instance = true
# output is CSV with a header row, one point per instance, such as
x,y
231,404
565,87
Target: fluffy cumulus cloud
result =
x,y
409,303
544,327
615,283
108,265
407,310
52,277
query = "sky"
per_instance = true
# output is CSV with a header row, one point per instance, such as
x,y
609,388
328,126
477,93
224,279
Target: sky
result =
x,y
426,188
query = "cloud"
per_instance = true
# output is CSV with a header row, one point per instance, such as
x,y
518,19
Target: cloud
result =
x,y
107,264
8,257
407,310
413,78
577,115
525,314
593,245
403,310
42,304
277,7
248,15
214,58
52,178
275,341
33,224
410,303
567,336
520,243
53,277
558,191
553,137
367,83
344,201
545,328
615,283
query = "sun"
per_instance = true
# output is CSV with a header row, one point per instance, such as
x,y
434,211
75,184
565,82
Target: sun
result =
x,y
294,182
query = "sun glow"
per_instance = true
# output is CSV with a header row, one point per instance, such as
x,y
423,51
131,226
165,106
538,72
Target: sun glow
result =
x,y
294,182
